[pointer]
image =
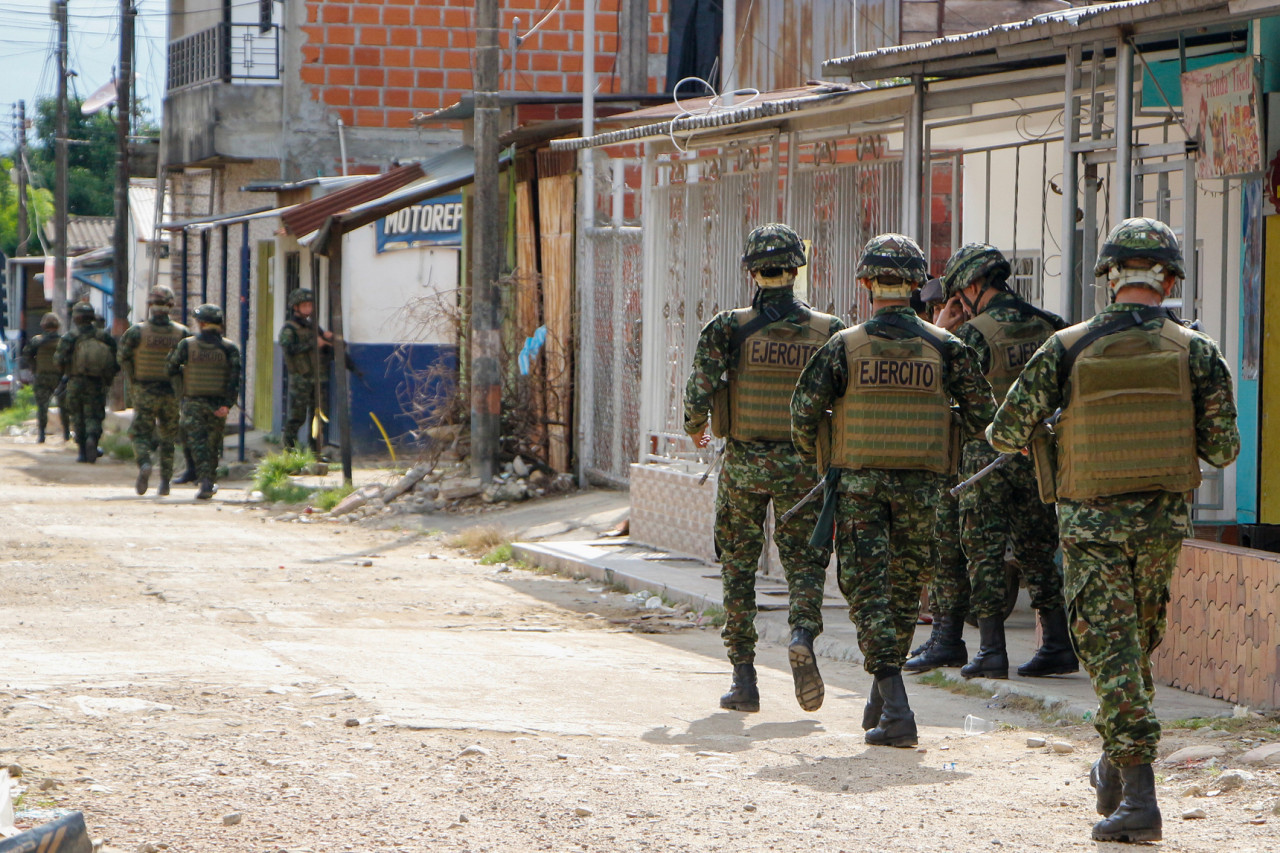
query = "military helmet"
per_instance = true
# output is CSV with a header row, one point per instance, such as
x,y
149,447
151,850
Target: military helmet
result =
x,y
208,313
301,295
971,262
773,246
50,321
932,291
893,256
1140,238
160,295
82,311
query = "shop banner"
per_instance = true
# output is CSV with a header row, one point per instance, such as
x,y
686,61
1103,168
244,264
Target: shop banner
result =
x,y
1221,108
432,224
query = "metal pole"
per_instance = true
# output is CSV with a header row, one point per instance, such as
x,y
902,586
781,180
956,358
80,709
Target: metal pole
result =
x,y
186,273
1122,192
486,334
342,404
912,157
585,402
728,51
120,237
60,288
24,233
244,329
633,63
222,292
204,266
1191,284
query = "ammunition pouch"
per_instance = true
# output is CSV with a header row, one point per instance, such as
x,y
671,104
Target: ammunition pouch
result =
x,y
823,445
720,420
1044,453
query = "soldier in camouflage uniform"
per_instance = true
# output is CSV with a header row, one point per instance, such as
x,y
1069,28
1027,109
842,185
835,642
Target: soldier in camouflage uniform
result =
x,y
744,371
1004,508
144,347
209,367
880,395
87,356
37,356
1142,396
298,339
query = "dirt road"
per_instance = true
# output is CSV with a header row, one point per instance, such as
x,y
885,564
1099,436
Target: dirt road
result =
x,y
200,677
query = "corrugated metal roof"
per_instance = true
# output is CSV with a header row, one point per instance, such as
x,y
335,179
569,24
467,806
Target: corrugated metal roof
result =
x,y
84,233
142,208
308,216
903,60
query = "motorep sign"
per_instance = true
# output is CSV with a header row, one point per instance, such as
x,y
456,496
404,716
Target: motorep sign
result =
x,y
431,224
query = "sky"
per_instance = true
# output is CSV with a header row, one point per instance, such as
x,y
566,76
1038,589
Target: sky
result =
x,y
28,40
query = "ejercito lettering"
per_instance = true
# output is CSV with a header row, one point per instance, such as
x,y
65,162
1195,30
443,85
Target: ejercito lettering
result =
x,y
1017,355
763,353
896,373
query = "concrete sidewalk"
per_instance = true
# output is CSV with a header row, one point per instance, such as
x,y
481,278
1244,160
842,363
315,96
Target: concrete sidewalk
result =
x,y
683,579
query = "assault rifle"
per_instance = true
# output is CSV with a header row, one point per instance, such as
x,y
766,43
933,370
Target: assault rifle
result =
x,y
1048,425
715,463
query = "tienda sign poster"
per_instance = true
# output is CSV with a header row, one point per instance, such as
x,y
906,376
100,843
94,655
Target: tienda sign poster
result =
x,y
1221,108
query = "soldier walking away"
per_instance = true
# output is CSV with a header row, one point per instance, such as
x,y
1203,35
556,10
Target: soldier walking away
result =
x,y
299,338
1004,510
144,347
744,370
37,356
87,357
207,366
1142,396
880,395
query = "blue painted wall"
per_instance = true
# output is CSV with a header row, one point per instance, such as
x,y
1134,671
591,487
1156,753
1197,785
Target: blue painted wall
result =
x,y
391,378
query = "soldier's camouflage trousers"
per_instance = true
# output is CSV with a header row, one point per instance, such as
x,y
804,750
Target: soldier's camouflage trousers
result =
x,y
755,473
884,545
1119,555
302,396
204,433
949,588
1004,509
86,399
44,387
155,427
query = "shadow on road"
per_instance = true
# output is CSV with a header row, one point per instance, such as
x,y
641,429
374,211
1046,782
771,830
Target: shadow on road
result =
x,y
873,769
727,731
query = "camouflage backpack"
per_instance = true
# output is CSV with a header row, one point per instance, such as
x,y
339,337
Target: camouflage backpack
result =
x,y
92,357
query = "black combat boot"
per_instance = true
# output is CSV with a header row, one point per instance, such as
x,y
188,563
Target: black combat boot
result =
x,y
945,647
804,670
81,457
1105,779
897,726
991,661
207,489
1055,655
40,436
189,475
144,478
91,451
163,489
1137,818
874,707
744,695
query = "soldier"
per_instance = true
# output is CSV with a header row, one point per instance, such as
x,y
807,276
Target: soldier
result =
x,y
744,371
87,356
1004,508
37,356
889,384
949,584
209,367
298,338
1141,397
144,347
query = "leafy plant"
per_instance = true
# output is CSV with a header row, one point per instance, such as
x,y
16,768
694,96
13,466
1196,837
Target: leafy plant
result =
x,y
500,554
22,410
117,445
327,499
478,540
271,477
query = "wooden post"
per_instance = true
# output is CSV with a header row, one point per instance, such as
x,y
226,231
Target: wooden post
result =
x,y
120,237
486,308
61,289
340,404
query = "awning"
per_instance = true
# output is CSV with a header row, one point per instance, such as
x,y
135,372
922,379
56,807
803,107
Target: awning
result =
x,y
448,171
204,223
1042,39
309,215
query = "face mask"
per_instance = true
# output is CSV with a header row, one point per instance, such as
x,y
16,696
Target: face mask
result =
x,y
785,278
159,313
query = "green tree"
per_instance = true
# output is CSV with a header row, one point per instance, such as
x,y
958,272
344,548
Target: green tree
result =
x,y
91,156
39,210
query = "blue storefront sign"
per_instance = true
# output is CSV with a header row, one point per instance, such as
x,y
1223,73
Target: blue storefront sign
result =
x,y
432,224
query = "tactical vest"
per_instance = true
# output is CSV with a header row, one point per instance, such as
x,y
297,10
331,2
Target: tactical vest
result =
x,y
1129,424
763,378
206,372
299,363
154,346
894,412
91,356
48,345
1011,345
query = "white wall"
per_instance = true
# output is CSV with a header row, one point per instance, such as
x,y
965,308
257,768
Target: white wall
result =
x,y
387,296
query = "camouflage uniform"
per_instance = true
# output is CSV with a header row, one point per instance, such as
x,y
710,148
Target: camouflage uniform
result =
x,y
1120,549
949,590
204,429
86,396
298,340
155,405
47,377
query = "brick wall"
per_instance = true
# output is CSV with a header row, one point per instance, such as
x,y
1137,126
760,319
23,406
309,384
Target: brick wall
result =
x,y
378,62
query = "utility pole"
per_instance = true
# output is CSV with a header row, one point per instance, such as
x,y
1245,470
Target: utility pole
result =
x,y
486,253
60,288
633,36
124,110
24,231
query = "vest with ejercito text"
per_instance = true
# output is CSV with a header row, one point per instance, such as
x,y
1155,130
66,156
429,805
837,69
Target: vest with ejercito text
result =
x,y
764,376
895,412
299,363
206,372
1012,345
154,345
1129,424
